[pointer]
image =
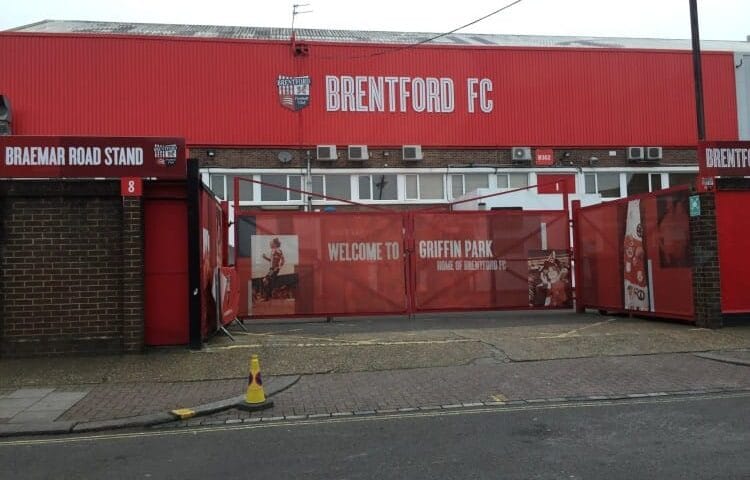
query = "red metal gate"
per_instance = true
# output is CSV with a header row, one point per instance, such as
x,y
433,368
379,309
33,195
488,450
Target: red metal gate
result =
x,y
320,264
489,260
388,262
633,255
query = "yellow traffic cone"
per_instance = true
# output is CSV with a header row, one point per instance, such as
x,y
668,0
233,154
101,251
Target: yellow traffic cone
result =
x,y
255,393
255,398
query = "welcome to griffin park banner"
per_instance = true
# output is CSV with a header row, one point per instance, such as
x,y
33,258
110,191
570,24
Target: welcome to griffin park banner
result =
x,y
293,263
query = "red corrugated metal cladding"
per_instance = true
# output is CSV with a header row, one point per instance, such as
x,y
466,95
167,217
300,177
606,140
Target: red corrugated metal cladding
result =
x,y
225,92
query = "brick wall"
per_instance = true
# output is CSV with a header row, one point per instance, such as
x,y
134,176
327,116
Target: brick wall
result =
x,y
71,276
705,255
391,158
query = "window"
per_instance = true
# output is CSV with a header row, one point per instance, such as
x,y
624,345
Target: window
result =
x,y
467,182
365,192
412,187
424,186
676,179
384,187
269,193
655,182
590,183
457,185
431,186
518,180
339,186
295,181
638,183
472,181
643,182
317,186
246,188
608,184
512,180
216,184
378,187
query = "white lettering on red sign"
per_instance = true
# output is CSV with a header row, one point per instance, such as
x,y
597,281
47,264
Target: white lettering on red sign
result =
x,y
35,156
363,251
346,93
73,156
455,249
485,86
728,157
457,255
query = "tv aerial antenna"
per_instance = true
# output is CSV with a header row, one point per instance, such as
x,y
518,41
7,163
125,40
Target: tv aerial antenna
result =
x,y
296,10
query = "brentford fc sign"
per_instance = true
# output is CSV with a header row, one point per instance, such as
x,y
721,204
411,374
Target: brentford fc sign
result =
x,y
91,157
390,94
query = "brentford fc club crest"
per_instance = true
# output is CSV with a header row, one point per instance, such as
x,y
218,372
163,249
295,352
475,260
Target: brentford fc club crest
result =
x,y
294,92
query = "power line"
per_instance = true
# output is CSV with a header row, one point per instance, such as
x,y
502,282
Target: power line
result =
x,y
459,28
422,42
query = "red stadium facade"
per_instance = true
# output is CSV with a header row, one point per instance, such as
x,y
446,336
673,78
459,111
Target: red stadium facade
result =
x,y
332,120
221,92
438,121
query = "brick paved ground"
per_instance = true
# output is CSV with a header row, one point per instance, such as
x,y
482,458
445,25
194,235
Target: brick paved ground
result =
x,y
108,401
387,390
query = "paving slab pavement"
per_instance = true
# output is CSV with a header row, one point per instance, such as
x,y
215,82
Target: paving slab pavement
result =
x,y
484,346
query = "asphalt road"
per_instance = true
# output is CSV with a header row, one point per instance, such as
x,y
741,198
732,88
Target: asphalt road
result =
x,y
667,438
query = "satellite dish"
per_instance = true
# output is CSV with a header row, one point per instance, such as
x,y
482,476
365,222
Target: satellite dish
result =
x,y
284,156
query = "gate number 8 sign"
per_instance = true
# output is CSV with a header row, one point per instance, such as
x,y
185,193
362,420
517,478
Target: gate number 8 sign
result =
x,y
131,187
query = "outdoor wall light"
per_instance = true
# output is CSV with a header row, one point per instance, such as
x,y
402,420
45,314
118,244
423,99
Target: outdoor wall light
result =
x,y
565,159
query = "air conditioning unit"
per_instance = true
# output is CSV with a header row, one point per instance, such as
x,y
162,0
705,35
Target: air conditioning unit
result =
x,y
653,153
635,153
521,155
327,152
411,152
358,152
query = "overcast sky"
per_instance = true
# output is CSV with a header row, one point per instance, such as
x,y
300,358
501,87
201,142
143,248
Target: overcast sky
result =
x,y
719,19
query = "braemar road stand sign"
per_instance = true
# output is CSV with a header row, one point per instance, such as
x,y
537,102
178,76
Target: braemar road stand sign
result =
x,y
92,157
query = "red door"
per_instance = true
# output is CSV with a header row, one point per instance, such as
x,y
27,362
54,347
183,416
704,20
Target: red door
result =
x,y
166,272
554,183
733,230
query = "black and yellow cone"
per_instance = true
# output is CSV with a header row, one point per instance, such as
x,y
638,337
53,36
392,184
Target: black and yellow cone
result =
x,y
255,392
255,398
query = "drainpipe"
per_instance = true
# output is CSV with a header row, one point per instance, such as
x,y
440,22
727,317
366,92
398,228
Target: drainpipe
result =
x,y
308,183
